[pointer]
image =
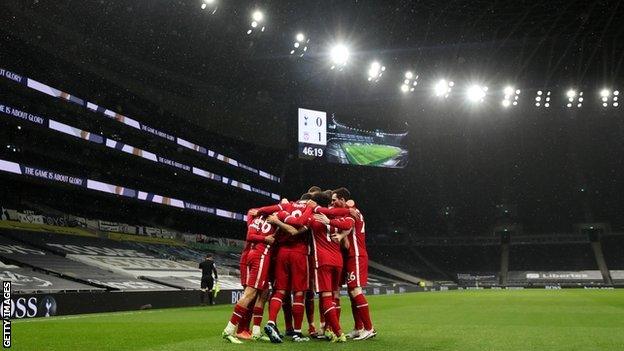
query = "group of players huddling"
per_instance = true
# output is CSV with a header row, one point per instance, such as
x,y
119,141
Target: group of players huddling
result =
x,y
315,244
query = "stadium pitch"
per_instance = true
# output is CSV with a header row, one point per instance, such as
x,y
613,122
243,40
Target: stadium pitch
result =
x,y
369,154
454,320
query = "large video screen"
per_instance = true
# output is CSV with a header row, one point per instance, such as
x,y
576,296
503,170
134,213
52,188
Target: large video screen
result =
x,y
323,137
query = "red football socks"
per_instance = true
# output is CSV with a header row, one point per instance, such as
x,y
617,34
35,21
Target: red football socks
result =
x,y
356,316
297,312
329,310
362,306
338,308
238,314
257,315
275,305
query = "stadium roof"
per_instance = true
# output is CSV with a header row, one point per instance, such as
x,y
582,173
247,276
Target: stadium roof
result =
x,y
213,72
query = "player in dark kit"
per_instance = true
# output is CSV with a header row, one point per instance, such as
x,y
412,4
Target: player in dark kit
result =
x,y
207,282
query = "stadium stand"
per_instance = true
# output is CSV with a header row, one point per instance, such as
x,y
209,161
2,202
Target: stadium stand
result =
x,y
27,280
24,255
146,253
128,260
613,248
551,257
404,259
462,259
545,260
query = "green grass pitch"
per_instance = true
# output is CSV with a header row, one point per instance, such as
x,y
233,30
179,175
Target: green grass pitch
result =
x,y
369,154
457,320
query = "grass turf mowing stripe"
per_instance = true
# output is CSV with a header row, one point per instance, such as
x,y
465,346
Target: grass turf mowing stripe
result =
x,y
376,154
553,320
369,154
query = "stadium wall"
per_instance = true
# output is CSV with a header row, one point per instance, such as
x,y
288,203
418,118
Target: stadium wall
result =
x,y
73,303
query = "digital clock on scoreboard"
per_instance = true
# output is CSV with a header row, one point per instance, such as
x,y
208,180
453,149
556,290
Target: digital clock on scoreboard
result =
x,y
312,133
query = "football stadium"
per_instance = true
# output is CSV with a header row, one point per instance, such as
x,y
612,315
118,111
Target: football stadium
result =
x,y
304,175
353,146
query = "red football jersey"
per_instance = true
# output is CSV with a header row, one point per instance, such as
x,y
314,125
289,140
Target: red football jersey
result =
x,y
290,207
297,218
248,244
324,249
295,208
257,231
357,237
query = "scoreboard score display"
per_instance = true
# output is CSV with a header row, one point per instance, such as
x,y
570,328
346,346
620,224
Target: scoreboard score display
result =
x,y
336,142
312,133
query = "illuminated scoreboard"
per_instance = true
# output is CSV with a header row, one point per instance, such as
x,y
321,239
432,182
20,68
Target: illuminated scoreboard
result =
x,y
312,133
323,138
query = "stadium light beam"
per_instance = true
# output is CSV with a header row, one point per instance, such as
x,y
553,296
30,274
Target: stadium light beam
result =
x,y
476,93
509,91
574,98
542,98
375,71
511,96
609,97
212,3
410,82
300,46
257,16
339,55
443,88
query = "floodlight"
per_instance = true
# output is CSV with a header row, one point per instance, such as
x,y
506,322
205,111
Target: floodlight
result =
x,y
257,16
476,93
339,55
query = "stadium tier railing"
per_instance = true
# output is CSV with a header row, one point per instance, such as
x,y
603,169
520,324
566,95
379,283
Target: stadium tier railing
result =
x,y
37,120
91,184
80,226
109,114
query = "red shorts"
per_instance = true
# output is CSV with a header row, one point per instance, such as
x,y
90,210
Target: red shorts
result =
x,y
356,271
243,269
291,271
327,278
258,265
